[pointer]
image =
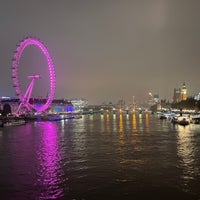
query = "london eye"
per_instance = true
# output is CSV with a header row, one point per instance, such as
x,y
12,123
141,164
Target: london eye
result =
x,y
24,96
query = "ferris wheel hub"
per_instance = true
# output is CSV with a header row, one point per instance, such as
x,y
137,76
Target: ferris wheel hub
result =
x,y
34,76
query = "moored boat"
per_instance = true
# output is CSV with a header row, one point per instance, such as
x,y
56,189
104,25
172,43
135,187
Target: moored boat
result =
x,y
174,120
163,116
53,117
12,121
183,121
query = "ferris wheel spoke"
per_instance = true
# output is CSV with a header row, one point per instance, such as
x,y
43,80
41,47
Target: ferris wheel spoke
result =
x,y
30,106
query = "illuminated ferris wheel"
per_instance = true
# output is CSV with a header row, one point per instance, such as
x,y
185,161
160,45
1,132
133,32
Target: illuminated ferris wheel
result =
x,y
24,97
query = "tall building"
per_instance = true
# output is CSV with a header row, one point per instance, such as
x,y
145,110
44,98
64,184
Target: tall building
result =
x,y
177,95
180,94
197,97
156,98
184,92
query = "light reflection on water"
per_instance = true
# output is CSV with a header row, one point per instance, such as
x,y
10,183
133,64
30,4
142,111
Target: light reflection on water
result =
x,y
49,172
86,158
187,148
134,122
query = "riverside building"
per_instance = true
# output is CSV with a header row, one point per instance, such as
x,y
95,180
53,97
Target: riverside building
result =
x,y
180,94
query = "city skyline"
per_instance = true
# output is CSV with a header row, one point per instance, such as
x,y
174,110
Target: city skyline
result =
x,y
104,51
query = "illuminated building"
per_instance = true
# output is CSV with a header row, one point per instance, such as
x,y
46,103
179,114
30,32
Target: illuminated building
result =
x,y
197,97
177,95
156,98
153,99
150,99
79,104
184,92
180,94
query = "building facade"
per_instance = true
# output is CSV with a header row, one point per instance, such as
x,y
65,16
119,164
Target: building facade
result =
x,y
180,94
184,95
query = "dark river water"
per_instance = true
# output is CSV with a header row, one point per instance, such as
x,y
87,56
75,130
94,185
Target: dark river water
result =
x,y
135,156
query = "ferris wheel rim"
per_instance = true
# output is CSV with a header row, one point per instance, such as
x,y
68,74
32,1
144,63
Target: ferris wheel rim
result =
x,y
28,41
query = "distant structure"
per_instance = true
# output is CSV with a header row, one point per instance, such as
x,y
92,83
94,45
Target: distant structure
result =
x,y
156,98
79,104
150,100
153,99
184,92
197,97
180,94
177,95
121,103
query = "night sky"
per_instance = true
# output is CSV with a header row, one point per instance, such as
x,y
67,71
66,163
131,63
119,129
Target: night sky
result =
x,y
104,50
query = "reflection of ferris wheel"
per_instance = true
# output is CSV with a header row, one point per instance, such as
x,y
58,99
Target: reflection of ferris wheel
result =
x,y
25,98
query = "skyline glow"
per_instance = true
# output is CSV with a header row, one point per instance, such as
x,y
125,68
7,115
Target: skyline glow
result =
x,y
107,50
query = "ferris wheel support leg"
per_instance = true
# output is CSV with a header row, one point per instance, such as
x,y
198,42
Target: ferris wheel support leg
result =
x,y
19,107
26,97
30,91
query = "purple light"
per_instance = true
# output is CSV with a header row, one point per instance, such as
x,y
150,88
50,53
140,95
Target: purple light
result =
x,y
17,55
50,173
69,108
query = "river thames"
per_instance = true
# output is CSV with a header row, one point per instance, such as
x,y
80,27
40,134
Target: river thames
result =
x,y
134,156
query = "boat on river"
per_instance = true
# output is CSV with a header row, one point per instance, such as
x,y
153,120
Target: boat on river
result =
x,y
175,120
183,121
51,116
11,121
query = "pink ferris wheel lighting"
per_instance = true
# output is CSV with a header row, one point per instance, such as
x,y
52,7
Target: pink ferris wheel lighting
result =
x,y
15,63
